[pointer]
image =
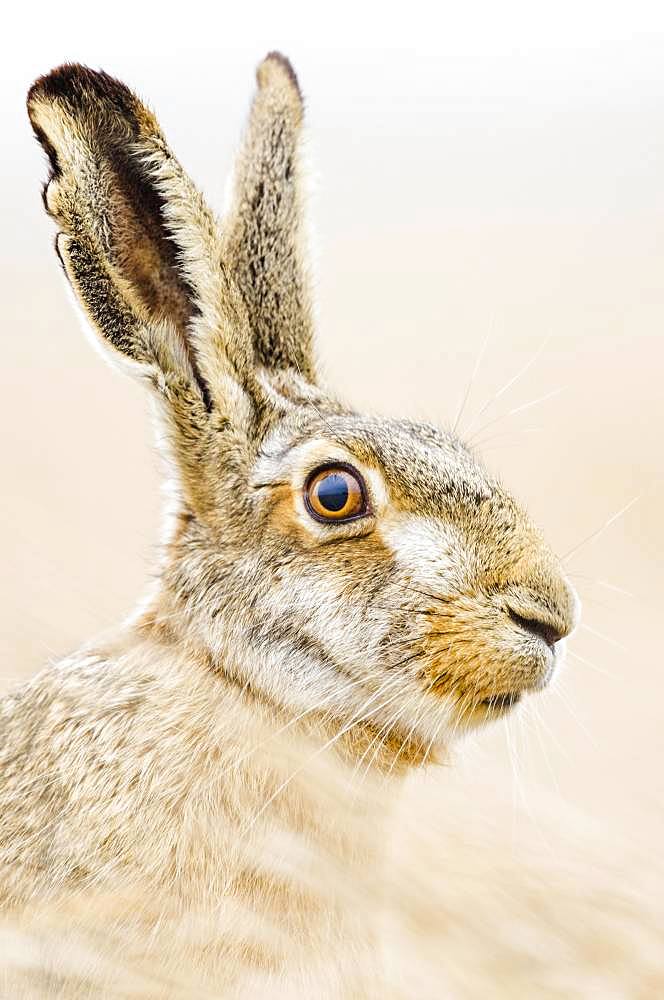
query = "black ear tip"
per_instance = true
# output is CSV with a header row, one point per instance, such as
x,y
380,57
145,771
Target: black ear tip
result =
x,y
59,83
76,87
276,63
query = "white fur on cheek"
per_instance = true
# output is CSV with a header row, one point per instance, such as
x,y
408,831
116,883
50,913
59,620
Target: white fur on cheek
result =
x,y
430,550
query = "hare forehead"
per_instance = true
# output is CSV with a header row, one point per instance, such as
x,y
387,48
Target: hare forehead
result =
x,y
425,470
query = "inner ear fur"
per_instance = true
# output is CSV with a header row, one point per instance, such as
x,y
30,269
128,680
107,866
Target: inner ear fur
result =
x,y
193,304
142,253
142,248
99,138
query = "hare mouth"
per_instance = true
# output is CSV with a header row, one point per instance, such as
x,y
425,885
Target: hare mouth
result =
x,y
501,702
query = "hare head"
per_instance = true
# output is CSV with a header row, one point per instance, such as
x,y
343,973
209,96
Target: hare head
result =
x,y
320,557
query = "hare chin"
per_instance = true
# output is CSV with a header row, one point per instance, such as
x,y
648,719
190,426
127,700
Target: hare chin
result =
x,y
497,705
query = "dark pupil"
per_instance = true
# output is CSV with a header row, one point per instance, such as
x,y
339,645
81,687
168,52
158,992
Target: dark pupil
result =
x,y
333,492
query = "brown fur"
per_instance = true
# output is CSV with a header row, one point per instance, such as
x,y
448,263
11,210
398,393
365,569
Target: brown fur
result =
x,y
157,769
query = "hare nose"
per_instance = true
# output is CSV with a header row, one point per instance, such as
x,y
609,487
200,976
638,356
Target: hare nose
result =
x,y
551,632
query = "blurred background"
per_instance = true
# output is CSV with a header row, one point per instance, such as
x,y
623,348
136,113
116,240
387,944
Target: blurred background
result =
x,y
488,209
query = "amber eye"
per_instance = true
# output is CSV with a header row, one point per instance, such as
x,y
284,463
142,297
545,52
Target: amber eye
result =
x,y
336,493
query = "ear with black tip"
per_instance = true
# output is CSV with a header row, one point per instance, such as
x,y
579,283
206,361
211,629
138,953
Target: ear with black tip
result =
x,y
137,242
263,231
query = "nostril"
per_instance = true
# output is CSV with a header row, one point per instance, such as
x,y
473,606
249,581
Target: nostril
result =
x,y
543,630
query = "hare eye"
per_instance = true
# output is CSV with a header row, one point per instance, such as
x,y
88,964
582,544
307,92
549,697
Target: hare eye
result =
x,y
336,493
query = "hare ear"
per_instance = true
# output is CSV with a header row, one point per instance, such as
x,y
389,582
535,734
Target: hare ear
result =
x,y
138,244
264,239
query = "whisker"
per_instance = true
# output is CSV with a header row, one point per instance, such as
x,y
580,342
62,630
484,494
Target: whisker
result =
x,y
536,402
433,739
473,376
557,690
600,531
589,663
342,732
518,795
482,443
518,717
311,402
592,581
532,714
440,598
606,638
508,385
517,409
377,740
413,611
618,590
467,702
416,720
535,706
460,707
308,711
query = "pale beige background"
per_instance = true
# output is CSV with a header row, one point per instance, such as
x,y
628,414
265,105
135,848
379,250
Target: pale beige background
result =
x,y
491,172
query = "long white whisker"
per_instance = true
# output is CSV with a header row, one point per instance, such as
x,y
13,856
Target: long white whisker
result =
x,y
410,732
618,590
418,714
307,711
466,702
534,716
519,798
536,402
503,434
284,784
508,385
313,405
377,740
517,409
473,376
584,729
434,738
589,663
550,733
587,578
606,638
600,531
385,728
532,815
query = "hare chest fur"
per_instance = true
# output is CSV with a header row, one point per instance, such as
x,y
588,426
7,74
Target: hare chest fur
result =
x,y
339,596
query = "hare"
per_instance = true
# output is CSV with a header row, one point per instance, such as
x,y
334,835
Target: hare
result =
x,y
336,592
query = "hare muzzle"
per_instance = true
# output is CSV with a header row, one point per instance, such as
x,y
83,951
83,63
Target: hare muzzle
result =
x,y
536,618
